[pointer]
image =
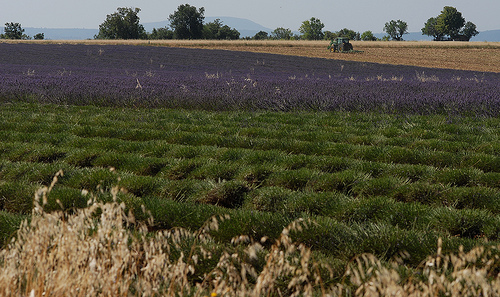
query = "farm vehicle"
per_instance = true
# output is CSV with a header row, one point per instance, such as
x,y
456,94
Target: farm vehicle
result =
x,y
341,45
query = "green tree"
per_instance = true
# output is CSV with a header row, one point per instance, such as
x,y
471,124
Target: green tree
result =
x,y
211,30
430,29
329,35
39,36
449,22
368,36
161,33
13,31
187,22
123,24
216,30
261,35
312,29
228,33
282,33
396,29
468,31
351,34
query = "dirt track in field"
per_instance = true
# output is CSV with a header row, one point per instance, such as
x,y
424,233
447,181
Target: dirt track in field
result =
x,y
477,56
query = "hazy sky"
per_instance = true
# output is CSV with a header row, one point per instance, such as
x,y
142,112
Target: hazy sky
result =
x,y
358,15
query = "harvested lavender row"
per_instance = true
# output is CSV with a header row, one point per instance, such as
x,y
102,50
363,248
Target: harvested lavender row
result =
x,y
141,76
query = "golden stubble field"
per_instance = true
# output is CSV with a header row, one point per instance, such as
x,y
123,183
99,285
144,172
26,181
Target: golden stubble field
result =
x,y
477,56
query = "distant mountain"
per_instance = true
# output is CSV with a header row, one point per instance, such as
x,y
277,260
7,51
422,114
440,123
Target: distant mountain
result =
x,y
412,36
62,34
491,35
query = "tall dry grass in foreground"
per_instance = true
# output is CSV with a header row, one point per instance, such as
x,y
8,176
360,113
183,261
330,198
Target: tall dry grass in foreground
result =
x,y
102,251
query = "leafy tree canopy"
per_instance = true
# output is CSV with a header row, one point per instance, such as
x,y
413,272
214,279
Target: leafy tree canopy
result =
x,y
328,35
282,34
13,31
312,29
396,29
430,29
449,23
123,24
161,33
351,34
39,36
187,22
261,35
216,30
468,31
368,36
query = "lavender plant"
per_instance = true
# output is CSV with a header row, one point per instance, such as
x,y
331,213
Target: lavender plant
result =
x,y
139,76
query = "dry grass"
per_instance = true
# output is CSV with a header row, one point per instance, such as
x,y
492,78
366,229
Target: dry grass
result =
x,y
477,56
102,251
463,274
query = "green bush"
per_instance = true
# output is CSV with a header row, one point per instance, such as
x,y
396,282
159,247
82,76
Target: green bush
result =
x,y
374,209
257,157
403,155
91,179
458,177
410,216
327,204
256,175
473,198
183,168
9,224
374,169
230,194
440,159
186,190
484,162
331,237
422,192
82,157
216,171
272,199
17,197
489,179
331,164
342,181
64,198
378,186
37,173
412,172
293,179
142,186
468,223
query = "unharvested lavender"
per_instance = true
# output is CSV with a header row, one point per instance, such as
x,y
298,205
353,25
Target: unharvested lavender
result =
x,y
146,76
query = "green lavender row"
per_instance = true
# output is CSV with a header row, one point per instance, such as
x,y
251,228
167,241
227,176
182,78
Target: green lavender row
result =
x,y
371,183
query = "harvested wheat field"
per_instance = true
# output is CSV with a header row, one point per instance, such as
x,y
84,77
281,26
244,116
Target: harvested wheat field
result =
x,y
477,56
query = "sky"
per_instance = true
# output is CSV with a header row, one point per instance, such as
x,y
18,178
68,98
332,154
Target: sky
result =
x,y
357,15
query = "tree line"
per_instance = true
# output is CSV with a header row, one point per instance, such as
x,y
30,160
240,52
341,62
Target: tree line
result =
x,y
187,22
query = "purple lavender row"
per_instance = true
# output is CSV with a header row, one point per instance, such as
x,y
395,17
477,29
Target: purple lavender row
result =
x,y
143,76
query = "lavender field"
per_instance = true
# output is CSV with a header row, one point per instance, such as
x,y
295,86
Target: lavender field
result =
x,y
141,76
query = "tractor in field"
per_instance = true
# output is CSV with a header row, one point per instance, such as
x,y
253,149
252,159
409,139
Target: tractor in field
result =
x,y
341,45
